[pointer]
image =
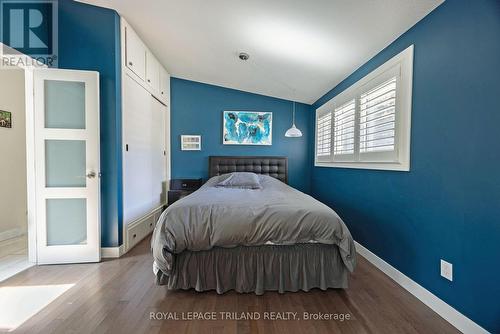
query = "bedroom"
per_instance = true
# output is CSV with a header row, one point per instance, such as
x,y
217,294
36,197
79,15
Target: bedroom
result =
x,y
373,208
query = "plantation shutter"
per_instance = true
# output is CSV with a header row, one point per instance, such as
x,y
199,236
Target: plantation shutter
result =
x,y
344,125
377,122
324,137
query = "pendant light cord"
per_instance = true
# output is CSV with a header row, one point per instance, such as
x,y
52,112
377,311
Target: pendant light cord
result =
x,y
294,132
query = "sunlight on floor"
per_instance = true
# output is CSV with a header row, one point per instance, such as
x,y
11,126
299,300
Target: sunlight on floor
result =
x,y
19,303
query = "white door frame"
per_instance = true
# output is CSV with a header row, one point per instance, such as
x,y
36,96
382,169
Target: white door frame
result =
x,y
30,164
28,64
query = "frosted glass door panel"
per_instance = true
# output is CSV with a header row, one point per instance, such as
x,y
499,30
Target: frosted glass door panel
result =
x,y
65,163
66,221
64,104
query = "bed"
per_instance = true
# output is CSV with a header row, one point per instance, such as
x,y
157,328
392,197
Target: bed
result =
x,y
275,238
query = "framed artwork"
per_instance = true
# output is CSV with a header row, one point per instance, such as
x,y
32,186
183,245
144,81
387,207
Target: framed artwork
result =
x,y
190,143
5,119
247,128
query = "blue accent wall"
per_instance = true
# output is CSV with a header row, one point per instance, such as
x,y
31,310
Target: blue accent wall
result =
x,y
89,39
448,205
197,110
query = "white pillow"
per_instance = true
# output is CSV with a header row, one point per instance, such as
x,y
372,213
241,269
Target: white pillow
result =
x,y
240,180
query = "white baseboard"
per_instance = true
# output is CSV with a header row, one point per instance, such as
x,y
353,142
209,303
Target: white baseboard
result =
x,y
12,233
14,245
457,319
112,252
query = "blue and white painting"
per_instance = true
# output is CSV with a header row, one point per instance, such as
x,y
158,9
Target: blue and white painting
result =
x,y
247,128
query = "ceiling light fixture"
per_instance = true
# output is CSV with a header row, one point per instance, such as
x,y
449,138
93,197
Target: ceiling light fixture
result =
x,y
293,131
243,56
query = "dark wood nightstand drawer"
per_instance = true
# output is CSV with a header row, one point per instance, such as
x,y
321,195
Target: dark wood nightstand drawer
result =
x,y
180,188
185,184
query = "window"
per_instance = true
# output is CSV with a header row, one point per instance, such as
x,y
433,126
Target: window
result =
x,y
368,124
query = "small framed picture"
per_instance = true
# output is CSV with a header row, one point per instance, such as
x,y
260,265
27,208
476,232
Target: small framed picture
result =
x,y
190,143
5,119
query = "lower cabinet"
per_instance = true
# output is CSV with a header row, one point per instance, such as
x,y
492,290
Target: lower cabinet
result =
x,y
141,228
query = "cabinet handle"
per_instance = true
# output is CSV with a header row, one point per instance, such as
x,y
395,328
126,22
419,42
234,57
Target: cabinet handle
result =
x,y
135,235
130,63
149,80
161,93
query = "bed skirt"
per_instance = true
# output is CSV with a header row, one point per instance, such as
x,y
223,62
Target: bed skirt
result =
x,y
258,269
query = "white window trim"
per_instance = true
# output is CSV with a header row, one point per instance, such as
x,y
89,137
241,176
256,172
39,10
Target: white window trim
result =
x,y
403,125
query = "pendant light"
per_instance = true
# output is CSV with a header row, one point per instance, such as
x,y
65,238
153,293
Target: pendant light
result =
x,y
293,131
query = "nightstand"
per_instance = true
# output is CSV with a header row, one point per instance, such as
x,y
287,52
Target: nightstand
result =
x,y
180,188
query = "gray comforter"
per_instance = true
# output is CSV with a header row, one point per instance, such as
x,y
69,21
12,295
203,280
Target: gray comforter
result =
x,y
226,217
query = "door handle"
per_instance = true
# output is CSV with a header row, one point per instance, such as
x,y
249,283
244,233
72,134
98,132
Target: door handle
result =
x,y
91,175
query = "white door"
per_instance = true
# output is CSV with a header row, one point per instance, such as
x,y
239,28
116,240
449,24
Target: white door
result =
x,y
66,117
158,154
136,151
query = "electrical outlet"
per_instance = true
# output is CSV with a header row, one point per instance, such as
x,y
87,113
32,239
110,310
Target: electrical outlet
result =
x,y
447,270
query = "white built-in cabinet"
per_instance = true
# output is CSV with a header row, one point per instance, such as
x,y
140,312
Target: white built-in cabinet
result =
x,y
164,85
145,137
152,72
135,58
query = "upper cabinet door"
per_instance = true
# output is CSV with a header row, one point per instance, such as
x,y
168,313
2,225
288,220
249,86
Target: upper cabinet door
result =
x,y
164,85
152,71
135,53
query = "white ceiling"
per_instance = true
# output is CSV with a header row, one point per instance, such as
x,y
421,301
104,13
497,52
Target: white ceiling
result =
x,y
299,49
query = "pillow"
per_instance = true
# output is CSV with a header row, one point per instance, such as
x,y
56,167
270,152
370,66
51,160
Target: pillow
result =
x,y
240,180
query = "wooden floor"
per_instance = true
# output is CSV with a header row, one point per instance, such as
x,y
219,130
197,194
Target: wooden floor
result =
x,y
117,296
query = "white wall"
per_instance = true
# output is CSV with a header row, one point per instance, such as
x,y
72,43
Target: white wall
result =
x,y
13,155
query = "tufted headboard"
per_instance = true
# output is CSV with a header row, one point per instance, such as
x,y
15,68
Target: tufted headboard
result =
x,y
276,167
